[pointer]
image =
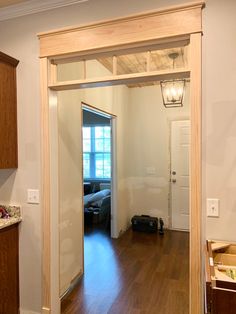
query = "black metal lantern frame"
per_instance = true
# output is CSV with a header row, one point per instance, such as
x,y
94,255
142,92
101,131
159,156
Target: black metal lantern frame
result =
x,y
172,93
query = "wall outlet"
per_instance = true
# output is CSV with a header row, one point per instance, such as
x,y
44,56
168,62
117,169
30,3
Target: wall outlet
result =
x,y
213,207
32,196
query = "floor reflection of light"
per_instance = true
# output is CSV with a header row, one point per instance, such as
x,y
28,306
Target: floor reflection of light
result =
x,y
102,277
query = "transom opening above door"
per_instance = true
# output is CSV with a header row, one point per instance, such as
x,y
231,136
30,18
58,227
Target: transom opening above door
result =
x,y
135,68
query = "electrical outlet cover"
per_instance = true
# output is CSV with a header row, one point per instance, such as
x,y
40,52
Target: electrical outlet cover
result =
x,y
32,196
212,207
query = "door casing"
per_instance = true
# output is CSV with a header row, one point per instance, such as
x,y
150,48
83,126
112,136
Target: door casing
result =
x,y
163,28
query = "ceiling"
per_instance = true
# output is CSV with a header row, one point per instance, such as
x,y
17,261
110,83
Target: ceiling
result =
x,y
136,63
6,3
14,8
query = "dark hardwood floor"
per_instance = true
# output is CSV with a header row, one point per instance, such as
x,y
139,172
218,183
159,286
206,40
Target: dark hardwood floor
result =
x,y
137,274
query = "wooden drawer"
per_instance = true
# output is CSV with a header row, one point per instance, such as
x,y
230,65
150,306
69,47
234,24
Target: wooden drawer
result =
x,y
220,287
9,273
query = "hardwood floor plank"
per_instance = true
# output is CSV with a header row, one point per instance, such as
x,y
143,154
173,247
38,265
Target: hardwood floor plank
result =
x,y
137,274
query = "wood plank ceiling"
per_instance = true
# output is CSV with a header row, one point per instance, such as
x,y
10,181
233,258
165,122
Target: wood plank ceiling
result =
x,y
137,63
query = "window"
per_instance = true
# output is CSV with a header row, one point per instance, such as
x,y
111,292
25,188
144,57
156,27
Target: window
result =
x,y
97,152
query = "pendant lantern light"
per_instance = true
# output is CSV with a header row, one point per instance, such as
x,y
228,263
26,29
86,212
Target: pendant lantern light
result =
x,y
173,90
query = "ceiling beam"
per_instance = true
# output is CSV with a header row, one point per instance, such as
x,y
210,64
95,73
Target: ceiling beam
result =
x,y
121,79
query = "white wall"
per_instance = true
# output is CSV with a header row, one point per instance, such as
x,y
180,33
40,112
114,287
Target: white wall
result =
x,y
219,116
113,100
18,38
70,188
147,152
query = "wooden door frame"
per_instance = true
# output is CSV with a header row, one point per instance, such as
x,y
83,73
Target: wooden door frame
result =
x,y
162,27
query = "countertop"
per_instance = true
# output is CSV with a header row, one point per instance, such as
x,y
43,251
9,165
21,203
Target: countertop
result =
x,y
11,215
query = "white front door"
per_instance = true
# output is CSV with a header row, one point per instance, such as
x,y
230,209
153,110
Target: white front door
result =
x,y
180,141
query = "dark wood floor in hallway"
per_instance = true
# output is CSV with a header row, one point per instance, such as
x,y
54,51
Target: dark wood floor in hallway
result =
x,y
137,274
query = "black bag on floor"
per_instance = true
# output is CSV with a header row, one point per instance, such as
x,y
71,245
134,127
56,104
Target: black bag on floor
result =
x,y
144,223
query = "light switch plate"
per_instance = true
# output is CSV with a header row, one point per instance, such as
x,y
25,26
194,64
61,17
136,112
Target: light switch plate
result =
x,y
32,196
213,207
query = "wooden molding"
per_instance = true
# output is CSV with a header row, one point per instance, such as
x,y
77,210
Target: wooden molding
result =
x,y
45,188
46,310
181,7
178,23
121,79
196,247
144,27
7,59
163,43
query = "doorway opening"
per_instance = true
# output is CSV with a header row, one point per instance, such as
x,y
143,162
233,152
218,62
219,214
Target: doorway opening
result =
x,y
143,136
164,27
98,161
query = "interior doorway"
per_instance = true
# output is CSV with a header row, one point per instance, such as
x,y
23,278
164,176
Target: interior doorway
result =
x,y
143,134
98,160
163,27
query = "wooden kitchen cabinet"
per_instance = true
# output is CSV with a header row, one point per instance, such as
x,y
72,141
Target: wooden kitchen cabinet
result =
x,y
9,270
8,112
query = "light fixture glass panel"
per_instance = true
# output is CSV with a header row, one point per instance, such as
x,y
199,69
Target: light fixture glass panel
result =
x,y
173,93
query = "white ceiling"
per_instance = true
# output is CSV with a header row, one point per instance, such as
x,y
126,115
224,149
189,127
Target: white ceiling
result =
x,y
14,8
5,3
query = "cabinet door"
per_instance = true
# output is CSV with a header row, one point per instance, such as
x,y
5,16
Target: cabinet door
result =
x,y
8,117
224,301
9,273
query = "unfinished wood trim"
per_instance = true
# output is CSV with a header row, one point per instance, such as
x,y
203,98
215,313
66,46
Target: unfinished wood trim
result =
x,y
219,245
45,188
53,73
45,310
207,266
196,249
181,7
226,259
158,44
82,186
121,79
114,65
144,27
166,26
85,69
148,61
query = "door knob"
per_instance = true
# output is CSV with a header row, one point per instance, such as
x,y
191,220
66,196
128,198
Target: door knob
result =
x,y
173,180
173,172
